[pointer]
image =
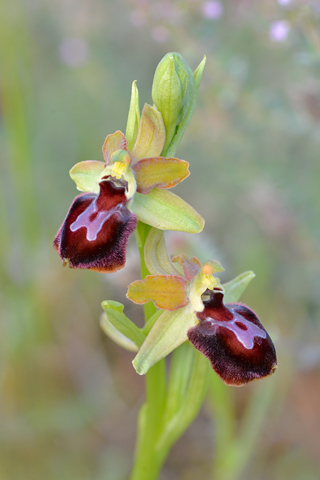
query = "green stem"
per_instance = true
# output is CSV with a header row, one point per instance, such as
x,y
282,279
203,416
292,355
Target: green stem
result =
x,y
156,432
141,233
148,460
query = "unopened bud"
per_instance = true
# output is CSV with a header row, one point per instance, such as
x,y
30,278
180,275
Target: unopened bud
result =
x,y
173,91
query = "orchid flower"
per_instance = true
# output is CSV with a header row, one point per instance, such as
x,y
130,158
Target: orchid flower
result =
x,y
230,335
126,187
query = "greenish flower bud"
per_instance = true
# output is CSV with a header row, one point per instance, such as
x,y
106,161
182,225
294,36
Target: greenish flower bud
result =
x,y
173,92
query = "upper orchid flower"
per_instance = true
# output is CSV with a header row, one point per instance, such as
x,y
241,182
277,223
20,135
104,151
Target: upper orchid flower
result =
x,y
230,335
126,187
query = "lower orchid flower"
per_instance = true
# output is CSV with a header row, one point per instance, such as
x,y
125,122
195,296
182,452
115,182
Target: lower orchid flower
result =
x,y
229,334
126,187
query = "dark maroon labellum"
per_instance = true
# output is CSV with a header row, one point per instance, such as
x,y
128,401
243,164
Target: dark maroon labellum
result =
x,y
232,337
95,232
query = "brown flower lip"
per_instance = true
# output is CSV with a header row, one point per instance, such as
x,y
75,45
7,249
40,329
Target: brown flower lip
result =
x,y
95,232
232,337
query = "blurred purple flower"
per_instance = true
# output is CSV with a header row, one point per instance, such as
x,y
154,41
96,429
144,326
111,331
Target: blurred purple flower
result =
x,y
160,34
73,51
284,3
279,30
212,9
138,18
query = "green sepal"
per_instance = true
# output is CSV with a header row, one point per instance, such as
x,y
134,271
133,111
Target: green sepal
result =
x,y
133,116
198,73
120,328
168,332
151,135
165,210
156,255
235,288
86,175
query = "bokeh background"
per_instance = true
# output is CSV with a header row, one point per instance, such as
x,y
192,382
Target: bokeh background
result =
x,y
69,396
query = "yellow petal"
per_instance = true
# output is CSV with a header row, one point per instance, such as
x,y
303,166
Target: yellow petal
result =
x,y
166,291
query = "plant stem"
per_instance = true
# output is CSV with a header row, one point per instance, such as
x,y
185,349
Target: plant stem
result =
x,y
141,233
148,460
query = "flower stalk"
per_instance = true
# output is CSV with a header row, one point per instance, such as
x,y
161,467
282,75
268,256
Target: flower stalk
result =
x,y
188,312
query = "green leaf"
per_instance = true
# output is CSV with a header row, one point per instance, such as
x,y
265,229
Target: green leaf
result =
x,y
181,365
151,135
235,288
119,327
156,255
169,331
165,210
133,117
192,393
86,175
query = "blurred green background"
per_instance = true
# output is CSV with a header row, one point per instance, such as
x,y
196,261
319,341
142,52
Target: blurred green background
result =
x,y
69,397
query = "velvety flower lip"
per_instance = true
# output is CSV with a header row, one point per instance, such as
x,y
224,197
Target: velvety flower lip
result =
x,y
232,337
95,232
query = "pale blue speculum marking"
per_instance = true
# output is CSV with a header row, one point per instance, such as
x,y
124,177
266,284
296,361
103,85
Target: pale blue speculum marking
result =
x,y
245,335
93,226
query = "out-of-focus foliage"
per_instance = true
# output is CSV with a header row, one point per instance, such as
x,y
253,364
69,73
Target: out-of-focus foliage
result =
x,y
69,397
